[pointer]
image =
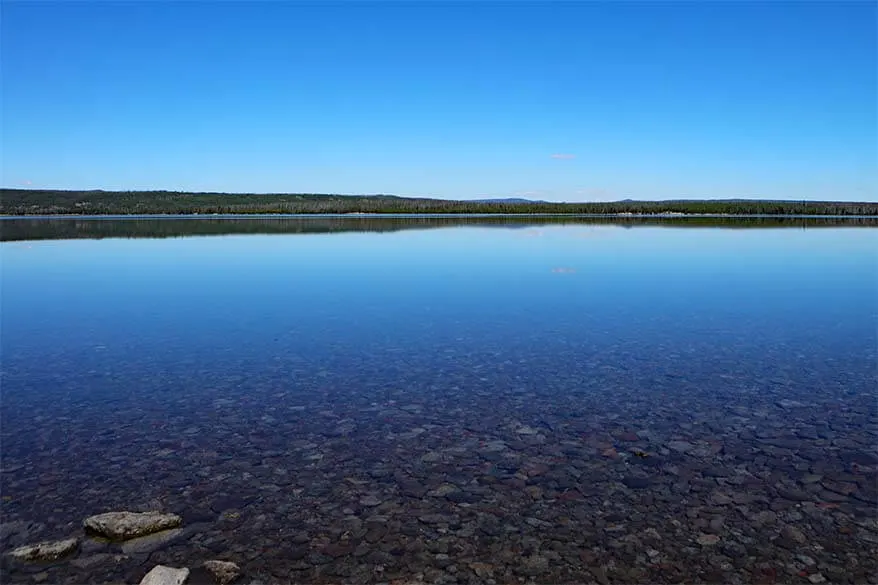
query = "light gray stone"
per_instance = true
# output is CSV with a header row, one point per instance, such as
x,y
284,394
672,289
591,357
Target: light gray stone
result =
x,y
223,571
45,551
794,534
162,575
126,525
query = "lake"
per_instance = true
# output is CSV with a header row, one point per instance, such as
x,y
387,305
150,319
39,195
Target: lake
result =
x,y
445,400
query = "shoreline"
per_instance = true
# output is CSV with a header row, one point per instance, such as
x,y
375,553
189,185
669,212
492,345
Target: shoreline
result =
x,y
352,215
39,202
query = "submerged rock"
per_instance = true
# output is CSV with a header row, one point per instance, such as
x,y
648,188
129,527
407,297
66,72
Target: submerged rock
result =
x,y
162,575
680,446
443,490
45,551
223,571
637,483
526,430
90,562
534,565
370,500
482,570
127,525
794,534
152,542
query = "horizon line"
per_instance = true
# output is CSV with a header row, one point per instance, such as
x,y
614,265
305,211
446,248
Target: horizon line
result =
x,y
433,198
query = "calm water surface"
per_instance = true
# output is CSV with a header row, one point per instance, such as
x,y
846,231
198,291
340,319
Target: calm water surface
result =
x,y
473,403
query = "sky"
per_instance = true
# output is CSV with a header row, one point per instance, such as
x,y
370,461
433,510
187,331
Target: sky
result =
x,y
560,101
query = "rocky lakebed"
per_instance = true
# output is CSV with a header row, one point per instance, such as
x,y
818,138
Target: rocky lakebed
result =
x,y
479,477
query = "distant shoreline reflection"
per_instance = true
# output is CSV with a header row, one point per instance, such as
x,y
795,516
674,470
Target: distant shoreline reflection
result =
x,y
52,228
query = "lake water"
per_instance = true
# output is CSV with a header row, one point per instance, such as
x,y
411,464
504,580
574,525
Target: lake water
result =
x,y
399,400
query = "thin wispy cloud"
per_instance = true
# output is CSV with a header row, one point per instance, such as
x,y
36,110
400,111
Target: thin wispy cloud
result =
x,y
563,156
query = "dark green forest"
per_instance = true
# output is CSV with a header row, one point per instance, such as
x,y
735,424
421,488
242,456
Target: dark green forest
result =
x,y
49,202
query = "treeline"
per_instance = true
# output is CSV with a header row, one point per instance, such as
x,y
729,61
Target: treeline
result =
x,y
49,202
15,229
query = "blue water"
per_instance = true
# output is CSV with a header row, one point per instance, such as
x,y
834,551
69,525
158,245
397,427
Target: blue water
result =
x,y
580,331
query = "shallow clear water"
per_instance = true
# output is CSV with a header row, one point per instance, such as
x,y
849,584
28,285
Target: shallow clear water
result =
x,y
557,403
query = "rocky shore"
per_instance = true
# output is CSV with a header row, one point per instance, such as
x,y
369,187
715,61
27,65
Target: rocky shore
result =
x,y
133,533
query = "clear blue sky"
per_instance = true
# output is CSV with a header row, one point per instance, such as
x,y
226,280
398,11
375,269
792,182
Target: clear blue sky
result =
x,y
559,101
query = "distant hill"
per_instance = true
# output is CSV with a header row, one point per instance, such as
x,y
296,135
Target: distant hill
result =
x,y
50,202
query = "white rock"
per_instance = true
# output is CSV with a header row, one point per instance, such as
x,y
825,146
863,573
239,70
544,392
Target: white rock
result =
x,y
162,575
125,525
223,571
45,551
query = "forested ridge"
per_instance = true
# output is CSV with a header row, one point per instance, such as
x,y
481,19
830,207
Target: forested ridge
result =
x,y
54,202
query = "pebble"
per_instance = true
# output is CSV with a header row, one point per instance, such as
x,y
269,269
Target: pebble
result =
x,y
525,430
680,446
637,483
720,499
708,539
794,534
370,501
534,565
443,490
223,571
806,560
482,570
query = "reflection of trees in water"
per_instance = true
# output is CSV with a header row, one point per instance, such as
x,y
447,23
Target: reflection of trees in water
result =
x,y
75,228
